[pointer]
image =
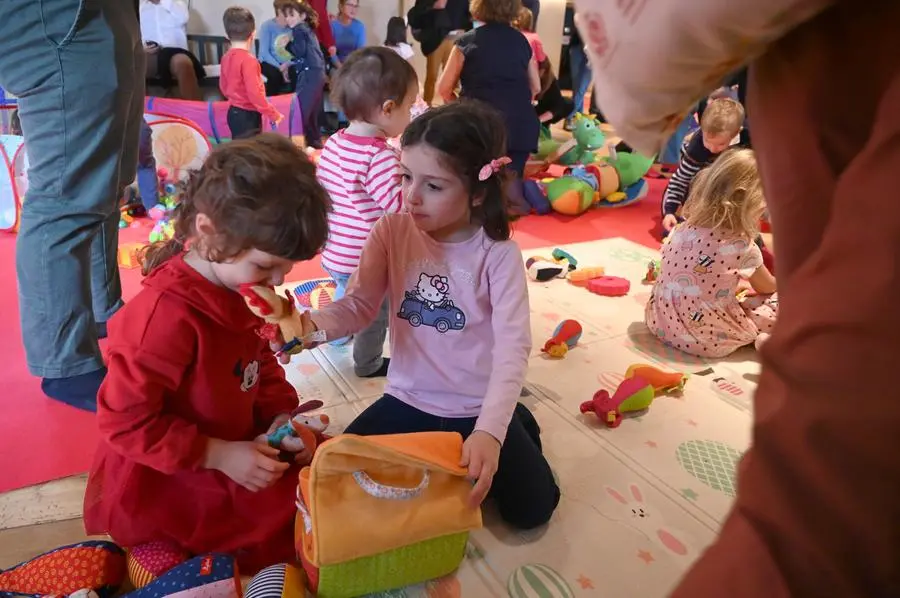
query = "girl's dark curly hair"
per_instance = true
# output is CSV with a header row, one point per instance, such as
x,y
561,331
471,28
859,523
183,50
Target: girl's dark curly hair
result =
x,y
259,193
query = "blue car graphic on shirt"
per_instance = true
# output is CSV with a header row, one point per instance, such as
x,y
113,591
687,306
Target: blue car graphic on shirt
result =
x,y
443,318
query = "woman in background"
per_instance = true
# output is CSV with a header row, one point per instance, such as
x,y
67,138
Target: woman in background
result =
x,y
396,38
349,32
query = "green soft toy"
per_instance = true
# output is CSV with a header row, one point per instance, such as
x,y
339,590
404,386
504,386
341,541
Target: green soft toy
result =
x,y
632,167
586,139
569,195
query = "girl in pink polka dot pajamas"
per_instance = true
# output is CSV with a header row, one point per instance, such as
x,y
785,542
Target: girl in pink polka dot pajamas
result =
x,y
694,305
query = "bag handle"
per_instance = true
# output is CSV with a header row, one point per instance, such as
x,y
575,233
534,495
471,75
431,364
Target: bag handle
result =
x,y
377,490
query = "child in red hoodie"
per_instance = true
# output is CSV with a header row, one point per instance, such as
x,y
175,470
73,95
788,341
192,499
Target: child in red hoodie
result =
x,y
192,388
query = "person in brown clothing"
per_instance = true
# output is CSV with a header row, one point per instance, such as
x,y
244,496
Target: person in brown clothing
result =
x,y
817,511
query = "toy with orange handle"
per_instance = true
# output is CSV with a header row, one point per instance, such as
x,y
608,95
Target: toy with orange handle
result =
x,y
662,382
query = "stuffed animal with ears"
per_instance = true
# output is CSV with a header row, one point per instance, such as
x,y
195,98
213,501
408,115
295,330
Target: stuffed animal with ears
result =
x,y
281,318
301,434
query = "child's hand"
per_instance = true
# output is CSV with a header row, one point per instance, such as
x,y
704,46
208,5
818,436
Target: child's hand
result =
x,y
481,455
669,221
307,327
277,120
252,465
291,444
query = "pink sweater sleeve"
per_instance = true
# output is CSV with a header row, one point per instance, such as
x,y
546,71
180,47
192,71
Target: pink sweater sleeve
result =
x,y
511,323
365,289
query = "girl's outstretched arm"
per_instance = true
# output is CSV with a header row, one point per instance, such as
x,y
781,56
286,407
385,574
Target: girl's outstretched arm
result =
x,y
511,324
365,290
762,281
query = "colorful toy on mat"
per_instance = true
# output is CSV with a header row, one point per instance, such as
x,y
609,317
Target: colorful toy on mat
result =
x,y
541,269
583,276
560,255
149,561
308,429
652,274
662,382
565,337
281,316
634,394
406,497
129,255
587,137
278,581
315,294
93,565
609,286
208,576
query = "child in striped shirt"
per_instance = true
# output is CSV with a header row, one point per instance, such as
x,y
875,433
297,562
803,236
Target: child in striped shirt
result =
x,y
721,122
375,88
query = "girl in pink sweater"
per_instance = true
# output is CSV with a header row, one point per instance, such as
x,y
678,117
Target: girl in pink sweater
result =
x,y
460,322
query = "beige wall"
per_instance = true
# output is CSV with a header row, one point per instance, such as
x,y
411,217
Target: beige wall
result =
x,y
206,18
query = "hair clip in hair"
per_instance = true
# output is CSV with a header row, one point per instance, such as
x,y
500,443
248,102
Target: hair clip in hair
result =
x,y
492,167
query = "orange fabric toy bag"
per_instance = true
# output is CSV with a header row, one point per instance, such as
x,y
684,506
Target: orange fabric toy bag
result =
x,y
654,59
381,512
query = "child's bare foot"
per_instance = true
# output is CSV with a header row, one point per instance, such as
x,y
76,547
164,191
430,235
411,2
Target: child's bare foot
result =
x,y
761,340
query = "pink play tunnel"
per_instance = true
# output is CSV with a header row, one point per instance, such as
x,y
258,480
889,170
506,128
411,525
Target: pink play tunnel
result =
x,y
211,117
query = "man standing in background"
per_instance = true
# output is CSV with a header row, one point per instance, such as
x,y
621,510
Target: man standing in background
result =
x,y
77,68
436,24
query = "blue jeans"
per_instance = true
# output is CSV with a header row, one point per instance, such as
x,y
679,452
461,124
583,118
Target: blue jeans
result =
x,y
581,77
147,179
671,153
77,67
368,344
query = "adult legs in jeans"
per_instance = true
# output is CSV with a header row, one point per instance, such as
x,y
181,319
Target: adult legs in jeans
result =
x,y
77,69
671,153
434,62
147,179
829,169
310,84
581,77
523,489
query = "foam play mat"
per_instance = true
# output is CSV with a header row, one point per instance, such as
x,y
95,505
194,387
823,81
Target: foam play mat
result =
x,y
640,501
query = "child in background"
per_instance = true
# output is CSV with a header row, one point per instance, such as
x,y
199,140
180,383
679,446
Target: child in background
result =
x,y
191,387
309,63
460,321
551,106
147,177
241,77
396,38
494,63
274,37
694,305
375,88
721,122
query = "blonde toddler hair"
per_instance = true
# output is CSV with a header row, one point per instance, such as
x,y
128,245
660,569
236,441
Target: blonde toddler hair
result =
x,y
723,115
728,195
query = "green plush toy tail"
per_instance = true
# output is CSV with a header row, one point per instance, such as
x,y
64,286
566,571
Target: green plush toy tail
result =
x,y
631,167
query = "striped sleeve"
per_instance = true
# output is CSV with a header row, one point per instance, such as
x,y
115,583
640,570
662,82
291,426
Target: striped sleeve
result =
x,y
680,183
383,180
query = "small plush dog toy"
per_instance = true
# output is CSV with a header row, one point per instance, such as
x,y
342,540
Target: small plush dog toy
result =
x,y
281,316
305,432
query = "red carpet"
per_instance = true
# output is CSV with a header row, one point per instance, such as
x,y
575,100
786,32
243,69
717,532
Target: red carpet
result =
x,y
43,440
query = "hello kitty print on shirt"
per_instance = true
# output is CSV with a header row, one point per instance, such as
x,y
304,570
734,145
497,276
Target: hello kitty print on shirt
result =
x,y
429,304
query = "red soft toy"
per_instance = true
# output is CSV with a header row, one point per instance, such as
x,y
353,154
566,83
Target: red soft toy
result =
x,y
609,286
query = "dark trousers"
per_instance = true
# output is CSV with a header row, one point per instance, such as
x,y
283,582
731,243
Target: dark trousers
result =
x,y
524,489
517,161
244,123
553,101
275,83
310,85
